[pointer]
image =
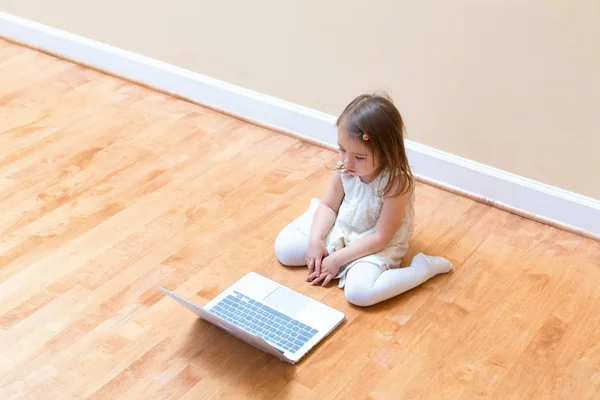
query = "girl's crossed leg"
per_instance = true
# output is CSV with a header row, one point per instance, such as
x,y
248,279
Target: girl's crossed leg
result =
x,y
368,283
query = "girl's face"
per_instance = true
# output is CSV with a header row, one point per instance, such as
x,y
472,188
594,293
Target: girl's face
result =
x,y
356,156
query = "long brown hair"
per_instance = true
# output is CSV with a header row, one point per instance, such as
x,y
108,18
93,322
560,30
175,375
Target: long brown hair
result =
x,y
377,117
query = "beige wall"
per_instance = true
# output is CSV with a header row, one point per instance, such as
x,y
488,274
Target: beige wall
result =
x,y
512,84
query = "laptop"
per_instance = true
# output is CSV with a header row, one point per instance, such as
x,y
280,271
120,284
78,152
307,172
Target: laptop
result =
x,y
269,316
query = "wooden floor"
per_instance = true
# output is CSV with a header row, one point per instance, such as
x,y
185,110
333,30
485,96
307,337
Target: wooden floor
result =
x,y
109,189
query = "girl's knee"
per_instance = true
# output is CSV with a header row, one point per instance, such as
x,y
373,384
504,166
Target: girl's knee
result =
x,y
359,295
291,245
359,286
282,248
288,249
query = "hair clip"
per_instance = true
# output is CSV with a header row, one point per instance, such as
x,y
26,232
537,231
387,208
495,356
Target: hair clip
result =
x,y
365,137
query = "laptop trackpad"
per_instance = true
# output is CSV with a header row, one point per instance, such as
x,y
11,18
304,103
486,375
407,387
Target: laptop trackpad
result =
x,y
287,300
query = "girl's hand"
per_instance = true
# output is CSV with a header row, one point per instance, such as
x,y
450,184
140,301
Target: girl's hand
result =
x,y
329,269
314,255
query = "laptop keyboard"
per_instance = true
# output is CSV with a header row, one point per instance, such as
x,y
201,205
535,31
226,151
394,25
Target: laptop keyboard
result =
x,y
263,321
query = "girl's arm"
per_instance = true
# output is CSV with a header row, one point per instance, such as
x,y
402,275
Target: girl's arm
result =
x,y
322,222
327,211
388,224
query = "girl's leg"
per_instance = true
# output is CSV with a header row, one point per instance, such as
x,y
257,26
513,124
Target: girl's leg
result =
x,y
291,244
368,284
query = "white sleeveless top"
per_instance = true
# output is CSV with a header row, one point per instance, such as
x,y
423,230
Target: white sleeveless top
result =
x,y
358,216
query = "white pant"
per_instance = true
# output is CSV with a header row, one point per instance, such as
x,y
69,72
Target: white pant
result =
x,y
366,283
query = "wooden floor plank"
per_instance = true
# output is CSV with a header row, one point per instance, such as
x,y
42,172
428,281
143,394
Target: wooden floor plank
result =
x,y
109,189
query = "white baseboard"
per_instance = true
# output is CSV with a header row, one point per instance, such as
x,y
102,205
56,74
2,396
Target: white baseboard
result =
x,y
523,196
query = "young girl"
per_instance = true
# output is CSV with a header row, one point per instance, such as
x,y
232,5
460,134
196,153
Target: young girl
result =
x,y
359,232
